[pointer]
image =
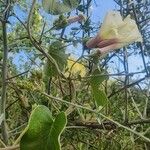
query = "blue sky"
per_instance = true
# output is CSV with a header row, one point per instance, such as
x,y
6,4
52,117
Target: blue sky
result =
x,y
98,10
98,13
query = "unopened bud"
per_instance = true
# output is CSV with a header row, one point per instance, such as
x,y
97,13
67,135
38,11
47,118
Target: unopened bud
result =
x,y
78,18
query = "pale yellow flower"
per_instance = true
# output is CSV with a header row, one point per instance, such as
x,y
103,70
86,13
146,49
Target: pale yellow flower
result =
x,y
116,32
77,69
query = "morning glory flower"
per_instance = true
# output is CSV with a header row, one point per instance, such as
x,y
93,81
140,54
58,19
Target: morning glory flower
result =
x,y
115,33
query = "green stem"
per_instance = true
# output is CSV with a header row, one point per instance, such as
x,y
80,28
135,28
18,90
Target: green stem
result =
x,y
98,113
11,148
20,136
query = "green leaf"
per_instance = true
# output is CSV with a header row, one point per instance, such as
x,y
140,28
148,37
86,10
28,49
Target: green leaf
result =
x,y
57,51
99,96
60,23
42,132
56,129
97,78
55,7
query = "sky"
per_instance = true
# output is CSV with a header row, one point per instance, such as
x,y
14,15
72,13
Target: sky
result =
x,y
98,10
98,13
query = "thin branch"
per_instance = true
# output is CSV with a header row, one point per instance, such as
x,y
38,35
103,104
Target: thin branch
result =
x,y
126,82
35,42
135,105
141,121
2,143
147,100
40,40
140,44
98,113
11,148
95,125
127,86
18,75
111,75
106,125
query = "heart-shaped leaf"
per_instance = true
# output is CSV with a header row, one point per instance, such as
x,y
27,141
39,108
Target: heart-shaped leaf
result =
x,y
42,132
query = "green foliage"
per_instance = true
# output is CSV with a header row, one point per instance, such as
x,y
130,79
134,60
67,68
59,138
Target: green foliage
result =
x,y
36,20
99,97
26,87
60,23
1,55
42,132
57,51
98,94
55,7
97,78
56,129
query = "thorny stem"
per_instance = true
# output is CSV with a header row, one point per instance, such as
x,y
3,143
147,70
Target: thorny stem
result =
x,y
88,33
11,148
102,115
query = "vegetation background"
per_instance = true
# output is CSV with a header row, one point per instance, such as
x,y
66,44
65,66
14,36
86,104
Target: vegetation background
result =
x,y
99,103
